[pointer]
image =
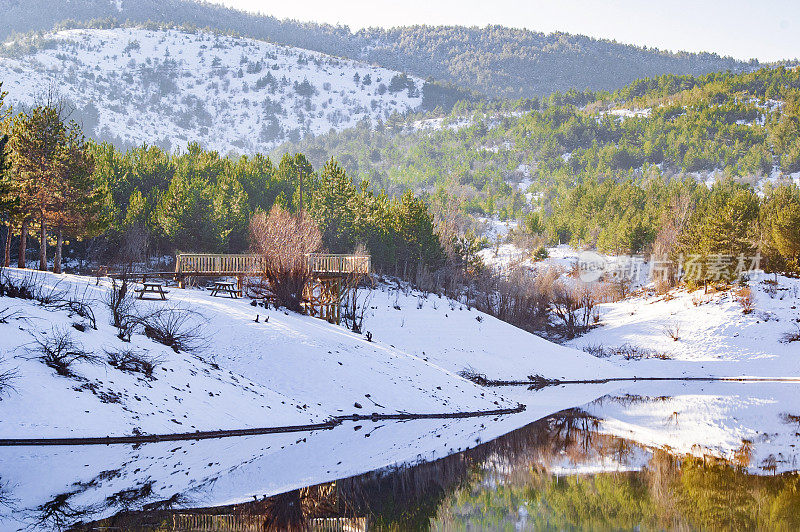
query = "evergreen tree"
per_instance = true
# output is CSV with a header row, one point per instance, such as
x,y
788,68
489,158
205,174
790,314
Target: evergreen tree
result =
x,y
186,214
780,225
39,142
231,213
78,200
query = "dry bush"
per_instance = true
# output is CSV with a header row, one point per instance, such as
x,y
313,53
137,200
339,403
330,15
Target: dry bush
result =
x,y
744,296
7,377
284,241
25,287
574,307
180,329
613,291
122,305
519,297
358,295
626,351
473,375
672,225
770,287
792,336
127,360
78,303
673,330
59,351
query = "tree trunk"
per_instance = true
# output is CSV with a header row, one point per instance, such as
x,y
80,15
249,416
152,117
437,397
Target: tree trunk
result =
x,y
23,244
7,247
43,246
59,245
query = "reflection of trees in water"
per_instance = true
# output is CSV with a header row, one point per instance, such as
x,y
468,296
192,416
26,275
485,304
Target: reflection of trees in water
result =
x,y
670,492
485,487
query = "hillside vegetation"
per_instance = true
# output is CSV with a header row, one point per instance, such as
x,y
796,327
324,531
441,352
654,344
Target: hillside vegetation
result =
x,y
494,61
589,168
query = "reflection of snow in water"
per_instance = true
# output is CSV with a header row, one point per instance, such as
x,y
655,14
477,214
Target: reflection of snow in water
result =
x,y
686,417
713,418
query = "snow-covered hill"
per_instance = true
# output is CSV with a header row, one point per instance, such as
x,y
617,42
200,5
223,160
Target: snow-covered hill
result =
x,y
133,85
284,369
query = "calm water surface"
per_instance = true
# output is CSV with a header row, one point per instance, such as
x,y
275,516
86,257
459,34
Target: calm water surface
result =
x,y
692,456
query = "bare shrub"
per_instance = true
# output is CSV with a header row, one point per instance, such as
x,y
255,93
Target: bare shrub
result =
x,y
128,360
122,306
673,330
770,287
596,350
744,296
180,329
612,291
574,307
24,287
672,225
49,296
78,303
284,241
472,375
792,336
59,351
7,377
626,351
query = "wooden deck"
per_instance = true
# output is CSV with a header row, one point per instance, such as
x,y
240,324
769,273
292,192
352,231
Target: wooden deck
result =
x,y
332,274
224,265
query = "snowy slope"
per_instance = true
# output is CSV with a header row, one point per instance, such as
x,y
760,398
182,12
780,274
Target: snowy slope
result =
x,y
715,334
289,370
171,87
455,337
185,394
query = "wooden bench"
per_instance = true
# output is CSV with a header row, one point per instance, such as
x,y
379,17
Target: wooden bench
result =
x,y
149,287
226,287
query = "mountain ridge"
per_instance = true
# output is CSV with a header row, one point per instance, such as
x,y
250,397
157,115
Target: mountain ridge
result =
x,y
496,61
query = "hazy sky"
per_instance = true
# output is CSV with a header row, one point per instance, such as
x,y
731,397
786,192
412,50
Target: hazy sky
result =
x,y
765,29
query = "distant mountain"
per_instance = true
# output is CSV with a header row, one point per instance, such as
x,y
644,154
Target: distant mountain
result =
x,y
495,61
169,87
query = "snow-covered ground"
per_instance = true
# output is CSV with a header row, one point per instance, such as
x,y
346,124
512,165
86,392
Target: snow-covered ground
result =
x,y
455,337
715,335
134,86
285,369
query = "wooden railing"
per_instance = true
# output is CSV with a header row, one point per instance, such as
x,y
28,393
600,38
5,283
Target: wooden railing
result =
x,y
222,264
330,264
255,523
214,263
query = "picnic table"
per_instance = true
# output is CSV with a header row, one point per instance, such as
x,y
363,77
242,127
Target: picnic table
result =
x,y
152,287
226,287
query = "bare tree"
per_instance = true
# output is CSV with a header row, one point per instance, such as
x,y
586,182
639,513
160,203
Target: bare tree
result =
x,y
284,241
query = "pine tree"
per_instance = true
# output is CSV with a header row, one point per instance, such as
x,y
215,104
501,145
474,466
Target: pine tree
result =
x,y
78,200
37,141
231,213
780,226
186,215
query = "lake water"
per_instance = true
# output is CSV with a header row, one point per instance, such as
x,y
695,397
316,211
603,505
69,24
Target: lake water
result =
x,y
668,455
